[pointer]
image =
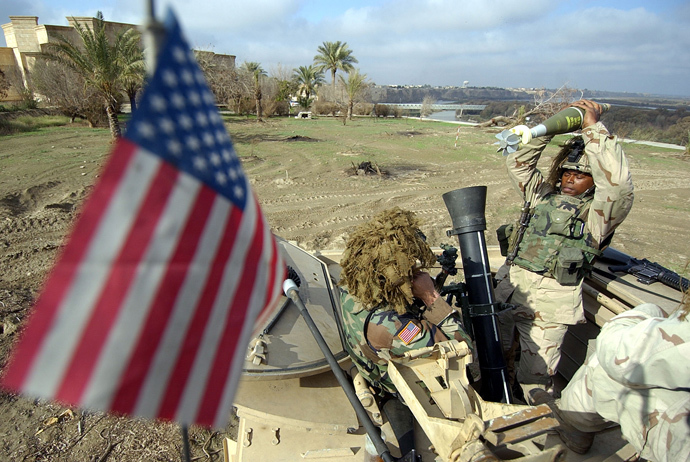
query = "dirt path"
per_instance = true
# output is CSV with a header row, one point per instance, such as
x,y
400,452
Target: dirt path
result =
x,y
44,178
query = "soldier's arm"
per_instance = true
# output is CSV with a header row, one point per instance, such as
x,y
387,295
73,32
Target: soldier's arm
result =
x,y
642,349
522,168
438,312
613,196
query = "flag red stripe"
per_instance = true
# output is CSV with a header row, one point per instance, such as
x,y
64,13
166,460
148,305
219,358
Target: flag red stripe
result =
x,y
193,336
50,301
156,323
232,332
123,271
273,284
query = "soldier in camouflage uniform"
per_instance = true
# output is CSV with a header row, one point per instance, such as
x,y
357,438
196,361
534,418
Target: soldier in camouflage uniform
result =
x,y
380,283
574,213
638,377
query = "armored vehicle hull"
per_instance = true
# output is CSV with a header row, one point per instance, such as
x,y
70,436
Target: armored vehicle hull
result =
x,y
291,407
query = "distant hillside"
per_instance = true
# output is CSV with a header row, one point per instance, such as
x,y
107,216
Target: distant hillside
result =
x,y
416,94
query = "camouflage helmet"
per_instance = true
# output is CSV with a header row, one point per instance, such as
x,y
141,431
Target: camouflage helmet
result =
x,y
381,257
576,160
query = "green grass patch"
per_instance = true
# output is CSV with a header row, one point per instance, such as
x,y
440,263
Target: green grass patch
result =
x,y
23,124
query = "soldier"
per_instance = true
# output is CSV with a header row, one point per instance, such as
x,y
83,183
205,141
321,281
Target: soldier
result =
x,y
380,283
638,377
574,212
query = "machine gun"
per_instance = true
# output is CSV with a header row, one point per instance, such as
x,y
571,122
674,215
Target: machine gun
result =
x,y
646,271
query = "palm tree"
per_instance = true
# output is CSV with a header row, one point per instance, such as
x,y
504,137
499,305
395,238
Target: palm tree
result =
x,y
134,67
308,78
354,85
257,72
103,66
334,56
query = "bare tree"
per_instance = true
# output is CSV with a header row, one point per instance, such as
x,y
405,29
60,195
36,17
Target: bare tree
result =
x,y
65,89
427,103
221,76
4,85
546,104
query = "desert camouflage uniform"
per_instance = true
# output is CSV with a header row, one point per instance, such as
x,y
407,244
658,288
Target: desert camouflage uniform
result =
x,y
639,377
545,308
374,336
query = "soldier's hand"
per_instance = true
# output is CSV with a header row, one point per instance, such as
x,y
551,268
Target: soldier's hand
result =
x,y
592,111
523,132
423,288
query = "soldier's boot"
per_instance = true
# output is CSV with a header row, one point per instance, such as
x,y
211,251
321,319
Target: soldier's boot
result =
x,y
576,440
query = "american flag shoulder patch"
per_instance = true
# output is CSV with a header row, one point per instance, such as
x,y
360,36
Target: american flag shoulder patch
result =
x,y
409,332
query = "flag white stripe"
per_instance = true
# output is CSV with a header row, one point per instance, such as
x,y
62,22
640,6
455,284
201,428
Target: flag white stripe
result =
x,y
203,362
135,308
192,289
258,300
75,309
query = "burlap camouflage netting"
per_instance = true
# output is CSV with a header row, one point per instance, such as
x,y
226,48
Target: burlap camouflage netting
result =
x,y
381,257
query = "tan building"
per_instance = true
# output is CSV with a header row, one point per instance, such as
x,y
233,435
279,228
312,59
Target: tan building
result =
x,y
25,39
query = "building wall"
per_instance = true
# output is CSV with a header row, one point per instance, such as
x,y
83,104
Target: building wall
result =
x,y
25,39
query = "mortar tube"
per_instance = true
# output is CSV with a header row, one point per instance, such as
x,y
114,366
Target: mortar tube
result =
x,y
466,208
290,289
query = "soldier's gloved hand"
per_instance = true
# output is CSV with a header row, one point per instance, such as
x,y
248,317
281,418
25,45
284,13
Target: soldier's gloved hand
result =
x,y
523,132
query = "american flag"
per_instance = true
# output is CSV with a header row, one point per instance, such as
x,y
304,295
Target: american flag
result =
x,y
150,306
409,332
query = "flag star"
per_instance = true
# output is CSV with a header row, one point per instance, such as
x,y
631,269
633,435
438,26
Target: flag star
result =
x,y
201,119
193,143
167,125
208,139
186,122
187,77
174,147
227,155
170,78
180,55
194,98
221,136
178,100
158,103
199,163
146,130
215,159
209,98
239,192
221,178
232,173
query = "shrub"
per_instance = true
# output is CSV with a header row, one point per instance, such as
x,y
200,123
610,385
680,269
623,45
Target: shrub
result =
x,y
362,109
325,108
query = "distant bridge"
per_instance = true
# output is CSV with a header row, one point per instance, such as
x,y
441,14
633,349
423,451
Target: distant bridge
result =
x,y
440,107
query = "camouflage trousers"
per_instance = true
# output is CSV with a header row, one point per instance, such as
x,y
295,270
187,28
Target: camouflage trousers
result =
x,y
655,421
540,348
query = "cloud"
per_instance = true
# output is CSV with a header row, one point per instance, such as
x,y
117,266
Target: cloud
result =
x,y
534,43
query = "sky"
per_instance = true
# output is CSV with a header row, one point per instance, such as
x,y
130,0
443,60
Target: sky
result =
x,y
608,45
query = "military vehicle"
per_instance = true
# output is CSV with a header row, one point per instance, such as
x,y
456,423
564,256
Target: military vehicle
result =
x,y
291,405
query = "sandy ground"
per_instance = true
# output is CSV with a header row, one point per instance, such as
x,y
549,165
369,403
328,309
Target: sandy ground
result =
x,y
44,179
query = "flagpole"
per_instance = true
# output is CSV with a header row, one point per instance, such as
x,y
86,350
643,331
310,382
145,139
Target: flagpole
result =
x,y
153,34
185,443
